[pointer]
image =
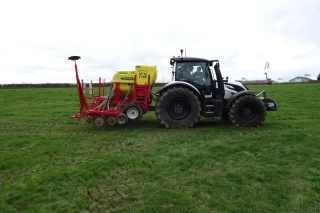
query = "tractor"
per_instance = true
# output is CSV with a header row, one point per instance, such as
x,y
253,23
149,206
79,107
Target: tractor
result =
x,y
197,90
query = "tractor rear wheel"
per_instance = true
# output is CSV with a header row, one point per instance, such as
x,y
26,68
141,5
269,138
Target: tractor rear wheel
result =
x,y
178,107
248,111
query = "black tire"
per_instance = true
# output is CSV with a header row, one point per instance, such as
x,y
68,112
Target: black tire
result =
x,y
247,111
178,107
135,109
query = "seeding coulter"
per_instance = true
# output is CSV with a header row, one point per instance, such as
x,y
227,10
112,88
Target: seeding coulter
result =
x,y
128,98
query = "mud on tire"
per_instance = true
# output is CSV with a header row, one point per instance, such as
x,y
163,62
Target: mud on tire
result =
x,y
248,111
178,107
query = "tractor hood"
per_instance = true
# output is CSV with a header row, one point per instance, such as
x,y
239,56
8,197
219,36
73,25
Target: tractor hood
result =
x,y
232,88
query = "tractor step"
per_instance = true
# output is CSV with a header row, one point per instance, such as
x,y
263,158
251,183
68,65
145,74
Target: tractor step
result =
x,y
213,107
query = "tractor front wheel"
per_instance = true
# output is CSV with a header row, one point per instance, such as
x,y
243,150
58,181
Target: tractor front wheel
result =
x,y
248,111
178,107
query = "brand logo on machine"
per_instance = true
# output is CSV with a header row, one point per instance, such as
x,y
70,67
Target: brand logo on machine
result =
x,y
143,74
127,78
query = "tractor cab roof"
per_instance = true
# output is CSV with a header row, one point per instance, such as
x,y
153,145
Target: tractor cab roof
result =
x,y
191,59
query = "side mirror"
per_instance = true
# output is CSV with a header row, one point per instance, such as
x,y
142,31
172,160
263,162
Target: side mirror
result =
x,y
171,62
210,63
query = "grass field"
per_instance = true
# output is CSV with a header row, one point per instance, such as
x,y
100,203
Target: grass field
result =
x,y
50,163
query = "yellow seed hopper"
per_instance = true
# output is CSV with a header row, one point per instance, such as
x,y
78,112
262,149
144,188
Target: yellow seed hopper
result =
x,y
141,73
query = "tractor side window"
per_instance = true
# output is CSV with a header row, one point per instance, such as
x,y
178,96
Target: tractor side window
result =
x,y
207,77
179,73
183,72
199,75
202,74
202,77
196,72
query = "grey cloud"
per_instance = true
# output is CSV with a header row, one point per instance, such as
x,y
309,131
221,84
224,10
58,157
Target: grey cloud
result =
x,y
40,70
260,55
61,52
230,61
35,68
276,15
45,46
297,57
294,21
147,56
104,63
234,55
128,62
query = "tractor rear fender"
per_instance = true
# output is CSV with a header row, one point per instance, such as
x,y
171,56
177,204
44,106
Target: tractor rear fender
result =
x,y
235,96
175,83
181,83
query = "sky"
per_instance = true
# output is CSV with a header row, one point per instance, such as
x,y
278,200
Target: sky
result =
x,y
38,36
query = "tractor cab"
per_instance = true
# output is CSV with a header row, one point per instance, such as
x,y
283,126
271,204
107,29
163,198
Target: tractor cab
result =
x,y
199,73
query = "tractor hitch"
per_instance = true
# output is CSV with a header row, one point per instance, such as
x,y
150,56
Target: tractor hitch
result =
x,y
269,103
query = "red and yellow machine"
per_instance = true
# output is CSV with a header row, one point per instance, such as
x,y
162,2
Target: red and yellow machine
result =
x,y
128,98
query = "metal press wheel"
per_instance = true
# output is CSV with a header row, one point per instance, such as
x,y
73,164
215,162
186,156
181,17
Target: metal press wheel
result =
x,y
133,112
112,121
122,119
89,119
99,121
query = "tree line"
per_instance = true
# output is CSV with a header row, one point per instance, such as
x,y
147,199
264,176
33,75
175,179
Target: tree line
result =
x,y
52,85
67,85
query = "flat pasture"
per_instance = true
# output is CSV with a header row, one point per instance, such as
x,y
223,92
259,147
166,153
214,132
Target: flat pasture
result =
x,y
51,163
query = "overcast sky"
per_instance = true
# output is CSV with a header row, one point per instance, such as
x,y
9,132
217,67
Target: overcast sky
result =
x,y
37,37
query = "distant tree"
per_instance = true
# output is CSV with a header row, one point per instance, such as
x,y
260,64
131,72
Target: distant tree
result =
x,y
318,77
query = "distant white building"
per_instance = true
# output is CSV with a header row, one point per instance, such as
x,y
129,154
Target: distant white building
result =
x,y
300,79
270,81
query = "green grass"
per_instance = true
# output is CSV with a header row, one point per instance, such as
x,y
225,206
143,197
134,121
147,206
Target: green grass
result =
x,y
50,163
